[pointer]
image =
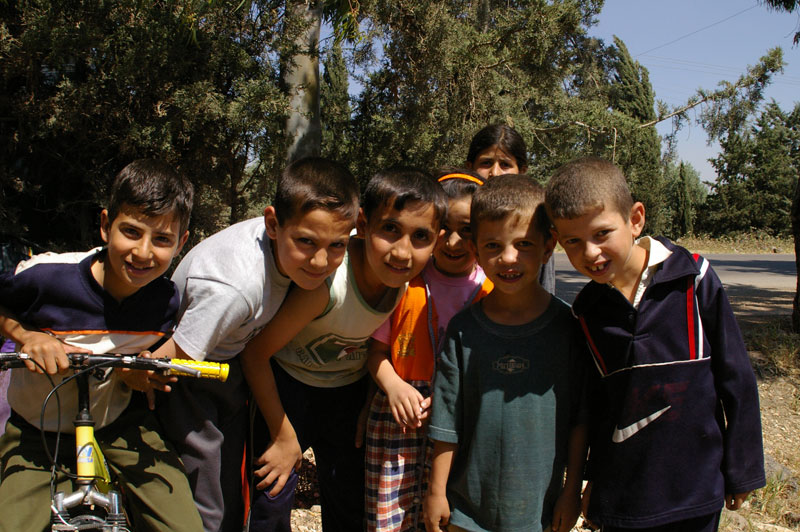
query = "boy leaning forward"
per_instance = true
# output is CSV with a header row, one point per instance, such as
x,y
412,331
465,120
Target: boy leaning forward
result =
x,y
231,285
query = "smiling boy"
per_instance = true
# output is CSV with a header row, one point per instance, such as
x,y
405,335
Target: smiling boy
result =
x,y
231,285
109,300
507,399
676,428
317,385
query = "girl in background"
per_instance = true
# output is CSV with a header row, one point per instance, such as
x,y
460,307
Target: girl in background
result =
x,y
496,150
401,360
499,149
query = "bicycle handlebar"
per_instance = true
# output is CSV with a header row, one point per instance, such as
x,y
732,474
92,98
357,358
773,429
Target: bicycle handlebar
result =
x,y
174,366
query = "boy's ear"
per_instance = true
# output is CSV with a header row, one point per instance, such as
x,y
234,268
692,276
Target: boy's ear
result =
x,y
549,246
182,241
554,235
105,225
271,222
637,219
361,224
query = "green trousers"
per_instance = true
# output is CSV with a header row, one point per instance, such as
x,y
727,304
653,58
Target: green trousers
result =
x,y
145,468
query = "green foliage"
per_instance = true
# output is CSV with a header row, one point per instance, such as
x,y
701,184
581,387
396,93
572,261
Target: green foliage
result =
x,y
335,107
449,68
631,92
733,104
757,175
785,5
446,69
89,86
684,195
640,155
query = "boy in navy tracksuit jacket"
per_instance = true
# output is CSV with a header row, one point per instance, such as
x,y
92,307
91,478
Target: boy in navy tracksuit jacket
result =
x,y
676,428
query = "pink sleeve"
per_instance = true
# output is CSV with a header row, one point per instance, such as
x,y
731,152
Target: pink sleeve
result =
x,y
384,332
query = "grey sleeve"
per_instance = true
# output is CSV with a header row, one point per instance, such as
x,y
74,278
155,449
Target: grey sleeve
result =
x,y
213,310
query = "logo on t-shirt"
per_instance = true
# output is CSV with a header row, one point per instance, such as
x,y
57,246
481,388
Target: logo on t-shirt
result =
x,y
510,364
405,345
330,348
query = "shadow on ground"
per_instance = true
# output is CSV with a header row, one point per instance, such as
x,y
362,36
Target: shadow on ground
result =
x,y
756,305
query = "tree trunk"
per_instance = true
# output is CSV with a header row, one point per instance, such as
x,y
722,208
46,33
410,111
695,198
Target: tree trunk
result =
x,y
796,235
301,78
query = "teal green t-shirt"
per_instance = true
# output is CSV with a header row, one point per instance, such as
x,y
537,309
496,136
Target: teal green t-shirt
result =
x,y
509,396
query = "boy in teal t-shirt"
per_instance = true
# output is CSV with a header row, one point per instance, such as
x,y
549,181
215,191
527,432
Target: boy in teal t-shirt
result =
x,y
507,408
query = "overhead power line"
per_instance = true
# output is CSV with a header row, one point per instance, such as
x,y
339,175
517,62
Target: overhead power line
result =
x,y
697,31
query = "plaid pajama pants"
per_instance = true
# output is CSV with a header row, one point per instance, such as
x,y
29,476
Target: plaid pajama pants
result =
x,y
397,469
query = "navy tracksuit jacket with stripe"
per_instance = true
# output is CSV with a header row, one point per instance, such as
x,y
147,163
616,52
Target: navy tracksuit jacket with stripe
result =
x,y
675,421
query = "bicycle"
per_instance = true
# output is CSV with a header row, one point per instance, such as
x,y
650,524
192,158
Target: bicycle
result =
x,y
92,476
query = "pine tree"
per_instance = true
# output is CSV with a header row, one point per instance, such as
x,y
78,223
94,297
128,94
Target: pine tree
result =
x,y
686,217
756,175
684,197
640,155
449,68
87,87
335,105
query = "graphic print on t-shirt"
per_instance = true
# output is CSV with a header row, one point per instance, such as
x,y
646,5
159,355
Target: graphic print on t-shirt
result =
x,y
331,348
510,364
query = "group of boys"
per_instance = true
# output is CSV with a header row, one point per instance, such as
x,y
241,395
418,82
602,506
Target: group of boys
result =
x,y
652,376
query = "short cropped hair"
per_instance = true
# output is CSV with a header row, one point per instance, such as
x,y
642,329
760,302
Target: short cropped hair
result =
x,y
315,183
509,195
585,184
154,188
459,182
504,137
399,186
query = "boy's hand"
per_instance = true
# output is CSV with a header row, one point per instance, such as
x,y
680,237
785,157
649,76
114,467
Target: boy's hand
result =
x,y
48,352
147,380
408,406
734,501
585,498
435,512
277,463
566,511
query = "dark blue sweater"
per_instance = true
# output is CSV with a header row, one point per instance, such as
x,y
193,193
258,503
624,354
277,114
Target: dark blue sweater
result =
x,y
675,422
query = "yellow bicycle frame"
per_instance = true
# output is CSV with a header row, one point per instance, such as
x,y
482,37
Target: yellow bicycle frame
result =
x,y
91,462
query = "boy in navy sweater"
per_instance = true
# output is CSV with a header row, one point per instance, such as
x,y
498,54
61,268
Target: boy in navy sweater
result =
x,y
113,299
676,428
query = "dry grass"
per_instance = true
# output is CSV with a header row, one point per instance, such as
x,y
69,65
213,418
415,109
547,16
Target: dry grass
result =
x,y
775,353
774,348
738,243
776,503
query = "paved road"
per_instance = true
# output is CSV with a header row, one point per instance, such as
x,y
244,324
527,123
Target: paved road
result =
x,y
756,284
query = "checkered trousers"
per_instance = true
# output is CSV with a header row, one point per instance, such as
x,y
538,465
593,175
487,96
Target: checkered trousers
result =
x,y
397,469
